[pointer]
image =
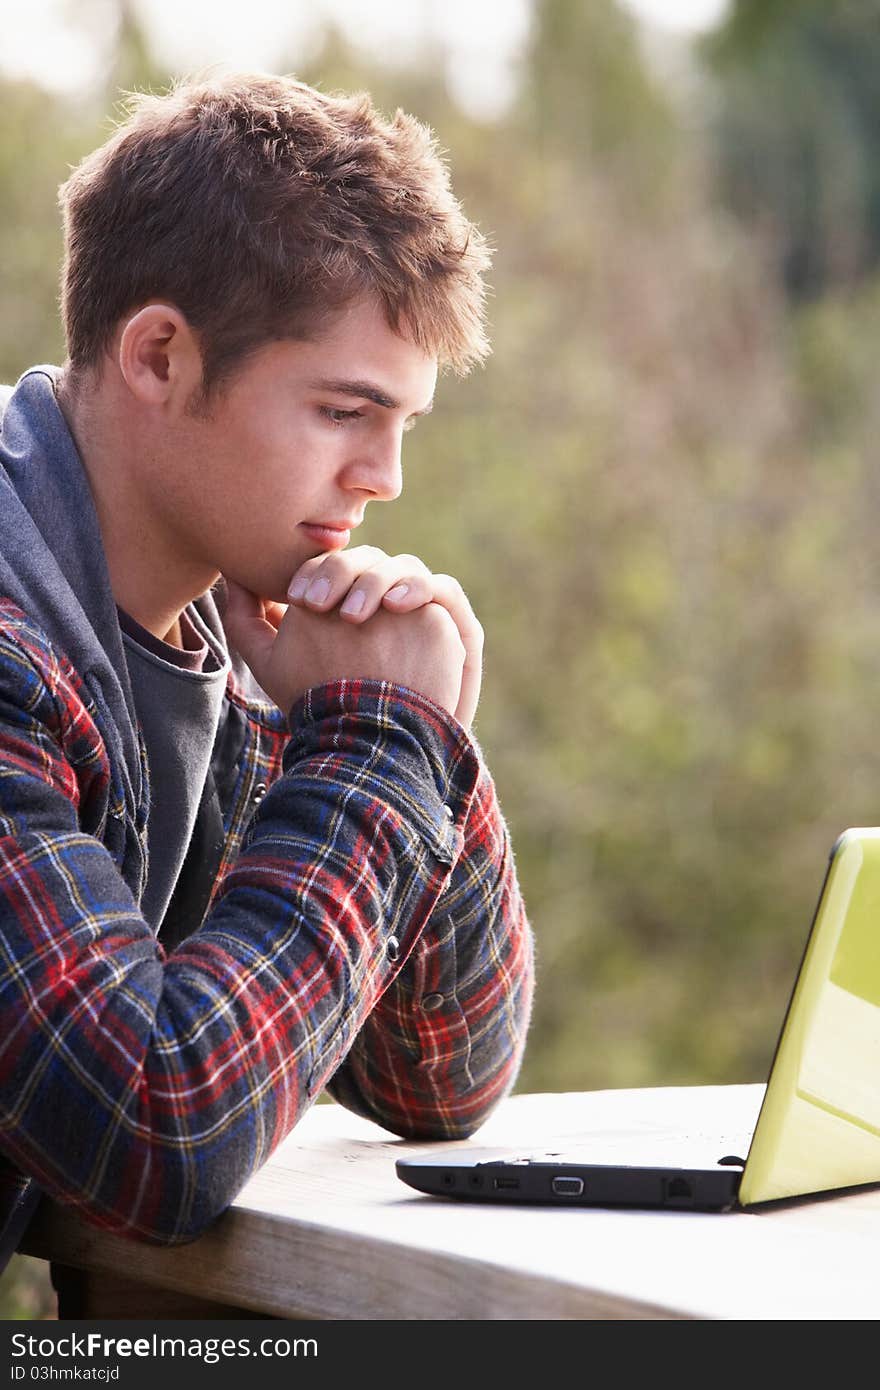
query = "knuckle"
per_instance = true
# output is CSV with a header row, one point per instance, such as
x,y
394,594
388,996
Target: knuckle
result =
x,y
439,623
309,566
370,581
450,582
413,563
318,568
434,617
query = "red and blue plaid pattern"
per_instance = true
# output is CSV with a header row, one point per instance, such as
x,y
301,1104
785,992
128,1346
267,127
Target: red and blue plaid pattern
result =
x,y
366,931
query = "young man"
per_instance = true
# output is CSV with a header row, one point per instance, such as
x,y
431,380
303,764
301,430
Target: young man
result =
x,y
248,847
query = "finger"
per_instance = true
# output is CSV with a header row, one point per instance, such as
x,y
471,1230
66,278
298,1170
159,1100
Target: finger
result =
x,y
328,577
451,596
273,612
249,630
359,586
302,578
469,695
389,585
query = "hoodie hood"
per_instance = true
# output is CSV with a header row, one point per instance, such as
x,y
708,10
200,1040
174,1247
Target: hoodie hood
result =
x,y
52,562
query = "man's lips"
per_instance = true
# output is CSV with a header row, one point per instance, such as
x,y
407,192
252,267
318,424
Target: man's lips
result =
x,y
330,535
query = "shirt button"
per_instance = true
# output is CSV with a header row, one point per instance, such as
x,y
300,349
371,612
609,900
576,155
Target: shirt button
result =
x,y
392,948
259,792
431,1002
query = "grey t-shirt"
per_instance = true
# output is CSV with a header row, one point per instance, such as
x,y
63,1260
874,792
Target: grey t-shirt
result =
x,y
178,696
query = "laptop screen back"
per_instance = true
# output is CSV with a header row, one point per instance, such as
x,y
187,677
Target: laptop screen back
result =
x,y
819,1126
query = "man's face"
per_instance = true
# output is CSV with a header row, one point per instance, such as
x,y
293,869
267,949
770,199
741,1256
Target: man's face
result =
x,y
293,448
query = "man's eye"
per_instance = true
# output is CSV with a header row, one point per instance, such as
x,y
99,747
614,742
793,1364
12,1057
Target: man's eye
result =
x,y
339,417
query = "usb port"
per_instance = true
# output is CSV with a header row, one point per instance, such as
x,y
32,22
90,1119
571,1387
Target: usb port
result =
x,y
505,1184
567,1187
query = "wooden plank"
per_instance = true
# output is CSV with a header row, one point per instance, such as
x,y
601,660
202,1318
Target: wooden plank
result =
x,y
86,1294
326,1230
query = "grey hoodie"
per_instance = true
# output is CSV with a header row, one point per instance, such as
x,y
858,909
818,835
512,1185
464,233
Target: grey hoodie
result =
x,y
52,559
52,565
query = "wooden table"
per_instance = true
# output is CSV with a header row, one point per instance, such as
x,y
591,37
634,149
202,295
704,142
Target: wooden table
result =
x,y
327,1230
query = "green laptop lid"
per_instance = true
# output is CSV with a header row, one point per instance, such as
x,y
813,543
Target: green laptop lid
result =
x,y
819,1126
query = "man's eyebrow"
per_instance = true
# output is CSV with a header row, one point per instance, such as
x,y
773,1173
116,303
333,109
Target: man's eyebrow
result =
x,y
366,390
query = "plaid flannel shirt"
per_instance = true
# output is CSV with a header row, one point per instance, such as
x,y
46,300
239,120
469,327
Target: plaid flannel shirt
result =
x,y
365,933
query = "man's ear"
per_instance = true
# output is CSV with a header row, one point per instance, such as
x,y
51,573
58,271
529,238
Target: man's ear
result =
x,y
159,357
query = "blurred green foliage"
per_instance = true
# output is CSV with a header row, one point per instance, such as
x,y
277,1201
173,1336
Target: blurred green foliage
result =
x,y
659,494
798,133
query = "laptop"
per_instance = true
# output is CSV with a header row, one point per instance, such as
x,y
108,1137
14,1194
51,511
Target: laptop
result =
x,y
818,1126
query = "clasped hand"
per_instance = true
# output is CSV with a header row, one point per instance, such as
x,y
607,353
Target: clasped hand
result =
x,y
362,613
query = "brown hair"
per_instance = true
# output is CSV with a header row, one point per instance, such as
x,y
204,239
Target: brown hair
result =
x,y
257,205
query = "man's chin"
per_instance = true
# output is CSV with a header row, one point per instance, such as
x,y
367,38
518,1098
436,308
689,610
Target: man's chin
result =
x,y
268,587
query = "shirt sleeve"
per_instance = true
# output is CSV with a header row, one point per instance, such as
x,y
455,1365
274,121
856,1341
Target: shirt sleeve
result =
x,y
445,1042
146,1089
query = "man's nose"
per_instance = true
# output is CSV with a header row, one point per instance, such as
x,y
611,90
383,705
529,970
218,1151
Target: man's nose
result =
x,y
379,469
